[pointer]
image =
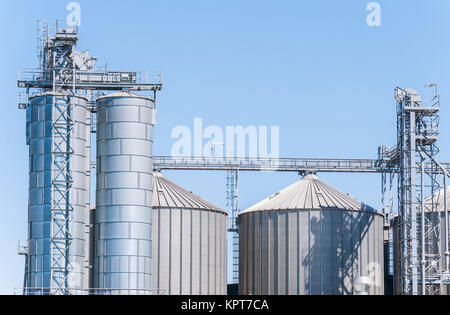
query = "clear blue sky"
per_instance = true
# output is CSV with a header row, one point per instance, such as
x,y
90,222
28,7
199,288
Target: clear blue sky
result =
x,y
314,68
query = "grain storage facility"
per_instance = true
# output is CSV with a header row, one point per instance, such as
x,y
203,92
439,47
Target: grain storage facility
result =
x,y
147,235
189,242
310,238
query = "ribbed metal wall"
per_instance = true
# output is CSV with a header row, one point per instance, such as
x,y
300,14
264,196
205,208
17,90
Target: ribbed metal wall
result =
x,y
310,238
189,242
122,260
189,251
298,252
40,117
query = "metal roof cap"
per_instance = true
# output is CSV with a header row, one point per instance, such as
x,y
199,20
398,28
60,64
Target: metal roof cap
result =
x,y
167,194
310,193
57,93
124,94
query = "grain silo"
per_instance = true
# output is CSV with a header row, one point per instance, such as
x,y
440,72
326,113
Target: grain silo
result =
x,y
434,239
310,238
189,242
122,262
58,135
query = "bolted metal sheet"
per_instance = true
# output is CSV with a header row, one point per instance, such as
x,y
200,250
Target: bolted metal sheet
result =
x,y
40,118
122,261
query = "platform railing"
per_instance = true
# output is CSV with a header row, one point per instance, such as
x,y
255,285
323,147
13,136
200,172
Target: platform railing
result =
x,y
280,164
93,76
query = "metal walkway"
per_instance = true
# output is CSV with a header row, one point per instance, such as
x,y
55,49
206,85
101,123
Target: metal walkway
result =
x,y
301,165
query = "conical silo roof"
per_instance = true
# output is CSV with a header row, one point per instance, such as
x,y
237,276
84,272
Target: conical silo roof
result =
x,y
124,94
309,193
167,194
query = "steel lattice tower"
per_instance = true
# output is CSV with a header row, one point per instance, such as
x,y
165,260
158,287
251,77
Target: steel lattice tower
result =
x,y
59,51
419,177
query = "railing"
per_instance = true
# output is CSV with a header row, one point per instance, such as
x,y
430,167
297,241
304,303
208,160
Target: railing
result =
x,y
272,164
281,164
31,74
33,77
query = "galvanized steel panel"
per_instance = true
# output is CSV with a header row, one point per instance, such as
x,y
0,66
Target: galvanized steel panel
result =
x,y
40,117
124,194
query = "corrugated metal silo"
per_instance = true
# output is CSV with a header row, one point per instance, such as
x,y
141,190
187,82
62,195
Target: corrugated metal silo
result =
x,y
122,263
309,239
189,242
433,240
45,136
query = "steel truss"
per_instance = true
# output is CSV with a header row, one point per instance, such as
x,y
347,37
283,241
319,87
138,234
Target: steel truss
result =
x,y
418,145
300,165
57,56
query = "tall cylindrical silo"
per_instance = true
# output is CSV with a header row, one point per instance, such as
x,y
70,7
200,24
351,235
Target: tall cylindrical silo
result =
x,y
122,262
310,239
189,242
434,239
91,248
58,134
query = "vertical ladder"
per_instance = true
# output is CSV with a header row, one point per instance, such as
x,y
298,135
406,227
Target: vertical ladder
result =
x,y
63,70
233,208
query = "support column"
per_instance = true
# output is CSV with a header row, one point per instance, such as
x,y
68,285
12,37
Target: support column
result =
x,y
413,205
